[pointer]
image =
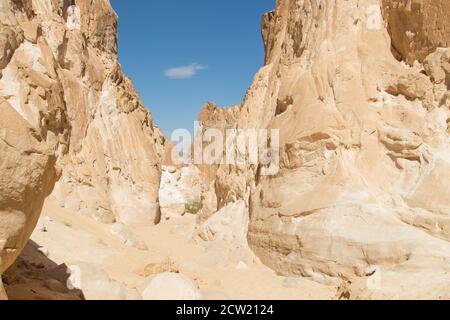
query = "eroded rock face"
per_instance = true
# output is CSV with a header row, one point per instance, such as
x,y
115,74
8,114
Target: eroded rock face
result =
x,y
365,147
171,286
2,292
112,168
417,27
69,114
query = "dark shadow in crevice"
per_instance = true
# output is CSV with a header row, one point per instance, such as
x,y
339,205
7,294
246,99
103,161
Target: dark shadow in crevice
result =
x,y
33,276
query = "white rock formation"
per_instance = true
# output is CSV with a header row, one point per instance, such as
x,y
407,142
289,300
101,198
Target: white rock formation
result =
x,y
94,283
180,188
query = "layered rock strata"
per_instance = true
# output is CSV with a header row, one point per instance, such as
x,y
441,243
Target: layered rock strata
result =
x,y
360,93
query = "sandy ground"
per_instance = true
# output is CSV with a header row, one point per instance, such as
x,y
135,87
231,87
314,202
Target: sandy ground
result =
x,y
66,239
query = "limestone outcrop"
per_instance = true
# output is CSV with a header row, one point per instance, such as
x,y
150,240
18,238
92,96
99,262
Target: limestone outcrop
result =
x,y
70,116
181,191
171,286
361,195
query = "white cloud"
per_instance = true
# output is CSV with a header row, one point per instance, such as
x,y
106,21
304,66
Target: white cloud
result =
x,y
184,72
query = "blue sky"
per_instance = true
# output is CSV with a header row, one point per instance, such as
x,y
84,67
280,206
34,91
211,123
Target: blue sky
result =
x,y
183,53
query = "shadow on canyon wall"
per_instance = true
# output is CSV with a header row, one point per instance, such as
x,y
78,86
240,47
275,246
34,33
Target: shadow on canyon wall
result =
x,y
34,276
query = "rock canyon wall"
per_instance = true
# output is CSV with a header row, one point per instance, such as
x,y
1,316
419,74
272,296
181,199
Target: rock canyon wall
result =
x,y
70,117
360,93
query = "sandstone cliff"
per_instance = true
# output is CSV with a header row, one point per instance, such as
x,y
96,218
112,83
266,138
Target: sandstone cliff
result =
x,y
360,93
69,116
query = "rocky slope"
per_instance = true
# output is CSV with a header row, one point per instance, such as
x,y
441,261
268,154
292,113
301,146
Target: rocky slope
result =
x,y
360,93
69,116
